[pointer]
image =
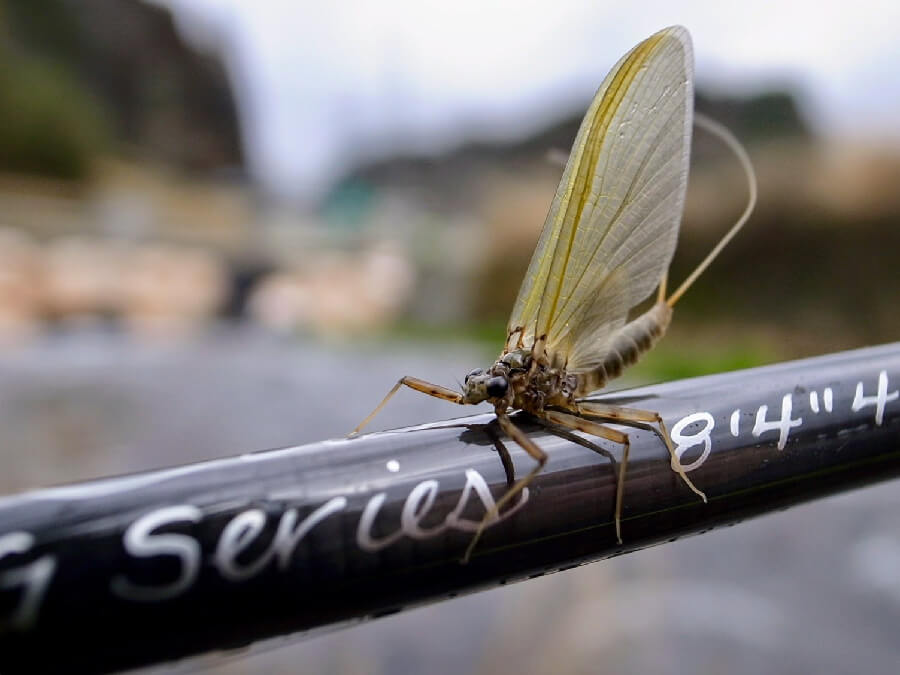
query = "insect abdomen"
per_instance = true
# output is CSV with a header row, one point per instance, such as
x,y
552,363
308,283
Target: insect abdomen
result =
x,y
628,344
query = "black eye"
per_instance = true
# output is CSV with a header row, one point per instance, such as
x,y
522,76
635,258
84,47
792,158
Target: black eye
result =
x,y
477,371
497,386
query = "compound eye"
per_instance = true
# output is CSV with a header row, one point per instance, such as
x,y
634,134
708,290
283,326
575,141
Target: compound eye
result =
x,y
477,371
497,386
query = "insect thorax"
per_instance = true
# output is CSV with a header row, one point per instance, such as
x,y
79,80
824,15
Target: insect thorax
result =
x,y
518,380
533,385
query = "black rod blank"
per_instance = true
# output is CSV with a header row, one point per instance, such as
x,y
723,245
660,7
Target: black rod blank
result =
x,y
140,569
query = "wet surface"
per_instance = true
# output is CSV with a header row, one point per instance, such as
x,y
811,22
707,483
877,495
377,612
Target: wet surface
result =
x,y
815,588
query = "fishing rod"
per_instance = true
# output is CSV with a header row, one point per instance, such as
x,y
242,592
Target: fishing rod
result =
x,y
152,567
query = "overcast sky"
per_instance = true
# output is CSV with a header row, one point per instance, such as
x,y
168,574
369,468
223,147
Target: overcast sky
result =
x,y
324,86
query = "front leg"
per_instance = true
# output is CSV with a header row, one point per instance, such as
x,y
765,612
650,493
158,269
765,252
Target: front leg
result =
x,y
532,449
435,390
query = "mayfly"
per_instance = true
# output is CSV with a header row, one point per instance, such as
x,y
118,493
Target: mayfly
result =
x,y
606,245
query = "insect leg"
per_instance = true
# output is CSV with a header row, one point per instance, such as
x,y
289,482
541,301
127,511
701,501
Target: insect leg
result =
x,y
505,459
517,330
589,427
532,449
635,417
539,352
435,390
556,430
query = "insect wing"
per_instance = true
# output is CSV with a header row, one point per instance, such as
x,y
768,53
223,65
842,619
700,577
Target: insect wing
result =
x,y
613,225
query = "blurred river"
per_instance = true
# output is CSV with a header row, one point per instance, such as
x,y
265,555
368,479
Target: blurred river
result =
x,y
813,589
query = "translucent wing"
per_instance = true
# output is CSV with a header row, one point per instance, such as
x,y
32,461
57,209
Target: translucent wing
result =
x,y
613,224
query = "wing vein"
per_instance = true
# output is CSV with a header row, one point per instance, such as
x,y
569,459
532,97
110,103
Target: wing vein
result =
x,y
626,202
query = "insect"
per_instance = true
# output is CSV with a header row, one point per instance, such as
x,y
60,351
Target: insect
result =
x,y
605,246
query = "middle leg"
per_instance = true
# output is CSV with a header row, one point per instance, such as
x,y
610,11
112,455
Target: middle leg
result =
x,y
587,426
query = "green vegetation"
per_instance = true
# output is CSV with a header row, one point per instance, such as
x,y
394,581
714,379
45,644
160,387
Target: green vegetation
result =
x,y
48,124
674,361
486,335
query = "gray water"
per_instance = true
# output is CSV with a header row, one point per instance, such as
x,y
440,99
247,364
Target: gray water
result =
x,y
812,589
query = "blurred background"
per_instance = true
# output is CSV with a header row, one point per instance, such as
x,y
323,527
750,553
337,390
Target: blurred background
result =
x,y
228,226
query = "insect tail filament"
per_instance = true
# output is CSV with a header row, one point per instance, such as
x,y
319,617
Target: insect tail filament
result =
x,y
717,129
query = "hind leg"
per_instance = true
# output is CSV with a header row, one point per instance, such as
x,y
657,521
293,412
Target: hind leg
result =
x,y
642,419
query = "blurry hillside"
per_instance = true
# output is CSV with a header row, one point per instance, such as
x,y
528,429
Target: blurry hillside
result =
x,y
123,203
83,73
